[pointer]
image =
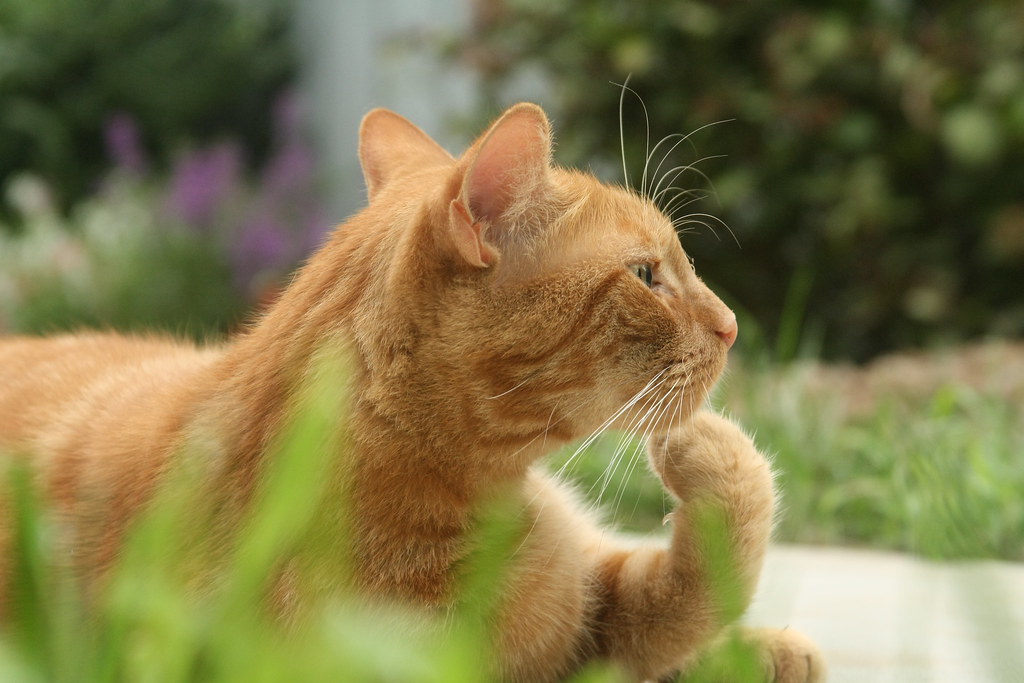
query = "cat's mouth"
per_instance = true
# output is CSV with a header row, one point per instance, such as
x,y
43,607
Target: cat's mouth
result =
x,y
670,398
688,392
689,380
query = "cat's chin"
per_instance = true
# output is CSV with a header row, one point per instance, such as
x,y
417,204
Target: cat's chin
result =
x,y
656,415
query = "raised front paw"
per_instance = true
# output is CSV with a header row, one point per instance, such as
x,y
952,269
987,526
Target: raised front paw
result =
x,y
711,457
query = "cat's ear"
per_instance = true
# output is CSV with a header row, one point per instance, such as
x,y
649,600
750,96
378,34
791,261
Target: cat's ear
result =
x,y
506,175
389,143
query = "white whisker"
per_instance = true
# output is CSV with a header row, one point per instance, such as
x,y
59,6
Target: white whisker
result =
x,y
678,171
681,199
547,428
664,405
691,218
624,442
684,138
673,174
647,141
651,386
666,155
622,132
600,430
507,391
680,227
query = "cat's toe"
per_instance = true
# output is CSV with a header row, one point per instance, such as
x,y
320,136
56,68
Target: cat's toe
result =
x,y
790,656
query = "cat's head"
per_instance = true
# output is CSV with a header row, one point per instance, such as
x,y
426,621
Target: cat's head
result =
x,y
524,303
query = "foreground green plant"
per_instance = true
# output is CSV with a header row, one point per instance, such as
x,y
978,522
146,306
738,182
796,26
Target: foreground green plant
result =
x,y
932,474
187,601
151,623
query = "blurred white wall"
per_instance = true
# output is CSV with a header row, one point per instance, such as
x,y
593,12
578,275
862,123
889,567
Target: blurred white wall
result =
x,y
361,54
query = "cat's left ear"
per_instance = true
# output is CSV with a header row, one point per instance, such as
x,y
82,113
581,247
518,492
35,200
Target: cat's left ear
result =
x,y
506,176
390,144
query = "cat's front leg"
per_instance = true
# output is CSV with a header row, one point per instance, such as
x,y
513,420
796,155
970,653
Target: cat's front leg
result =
x,y
723,521
664,607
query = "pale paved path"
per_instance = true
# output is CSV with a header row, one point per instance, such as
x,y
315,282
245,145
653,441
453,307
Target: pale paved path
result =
x,y
890,617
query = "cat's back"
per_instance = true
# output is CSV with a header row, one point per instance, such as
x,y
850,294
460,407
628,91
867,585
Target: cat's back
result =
x,y
80,383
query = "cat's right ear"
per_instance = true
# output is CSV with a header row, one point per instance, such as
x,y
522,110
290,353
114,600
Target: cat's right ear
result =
x,y
389,144
505,177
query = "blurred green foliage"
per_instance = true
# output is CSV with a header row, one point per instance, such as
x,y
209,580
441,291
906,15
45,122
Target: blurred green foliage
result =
x,y
186,252
114,263
875,149
930,471
186,602
174,66
936,475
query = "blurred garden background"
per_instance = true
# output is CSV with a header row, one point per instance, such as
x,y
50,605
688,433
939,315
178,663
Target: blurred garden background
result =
x,y
855,178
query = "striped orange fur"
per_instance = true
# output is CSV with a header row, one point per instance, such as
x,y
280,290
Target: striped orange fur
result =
x,y
495,307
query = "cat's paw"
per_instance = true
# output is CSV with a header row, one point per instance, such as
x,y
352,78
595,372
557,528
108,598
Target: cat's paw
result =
x,y
709,456
756,655
788,656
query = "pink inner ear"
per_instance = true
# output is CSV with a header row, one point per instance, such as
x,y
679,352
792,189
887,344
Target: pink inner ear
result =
x,y
468,238
389,144
511,164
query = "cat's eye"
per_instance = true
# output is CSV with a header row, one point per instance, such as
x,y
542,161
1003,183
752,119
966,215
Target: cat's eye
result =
x,y
644,271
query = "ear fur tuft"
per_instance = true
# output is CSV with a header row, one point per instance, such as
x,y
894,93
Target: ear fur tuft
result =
x,y
509,164
389,144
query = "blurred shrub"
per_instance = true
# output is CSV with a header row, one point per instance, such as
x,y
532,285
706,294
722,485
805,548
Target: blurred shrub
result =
x,y
875,150
186,70
187,252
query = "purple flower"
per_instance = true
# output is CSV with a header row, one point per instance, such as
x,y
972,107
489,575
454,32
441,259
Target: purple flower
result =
x,y
123,143
289,171
202,181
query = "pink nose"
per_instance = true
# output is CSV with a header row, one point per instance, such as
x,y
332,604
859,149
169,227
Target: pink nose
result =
x,y
727,329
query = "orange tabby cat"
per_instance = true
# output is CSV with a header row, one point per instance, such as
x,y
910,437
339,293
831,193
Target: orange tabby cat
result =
x,y
496,307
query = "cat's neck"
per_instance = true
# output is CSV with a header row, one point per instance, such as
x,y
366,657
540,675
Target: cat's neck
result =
x,y
401,416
